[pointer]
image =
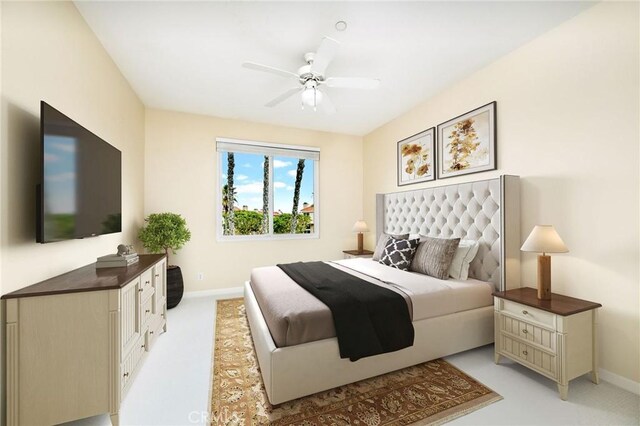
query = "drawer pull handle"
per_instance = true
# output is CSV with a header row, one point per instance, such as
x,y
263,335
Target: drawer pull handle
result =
x,y
125,375
151,332
157,275
146,311
140,290
525,353
525,313
147,282
525,331
143,347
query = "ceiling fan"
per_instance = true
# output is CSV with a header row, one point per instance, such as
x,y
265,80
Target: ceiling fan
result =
x,y
311,77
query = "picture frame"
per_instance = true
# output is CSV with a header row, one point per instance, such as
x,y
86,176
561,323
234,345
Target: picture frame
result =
x,y
467,144
416,158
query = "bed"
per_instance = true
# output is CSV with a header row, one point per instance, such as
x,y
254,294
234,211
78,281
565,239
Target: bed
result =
x,y
296,347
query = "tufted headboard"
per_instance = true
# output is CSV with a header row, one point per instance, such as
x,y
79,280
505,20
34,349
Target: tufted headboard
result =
x,y
487,211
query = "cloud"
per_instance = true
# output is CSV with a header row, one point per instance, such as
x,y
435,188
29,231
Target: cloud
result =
x,y
61,177
277,164
247,165
279,185
50,158
289,188
66,147
241,177
224,176
250,188
292,173
254,201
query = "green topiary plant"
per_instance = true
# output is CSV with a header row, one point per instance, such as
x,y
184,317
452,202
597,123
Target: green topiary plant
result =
x,y
164,231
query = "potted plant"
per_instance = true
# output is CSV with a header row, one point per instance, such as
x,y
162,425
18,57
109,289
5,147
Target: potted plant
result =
x,y
164,232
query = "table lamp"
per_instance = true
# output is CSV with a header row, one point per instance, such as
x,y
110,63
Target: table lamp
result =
x,y
544,239
360,227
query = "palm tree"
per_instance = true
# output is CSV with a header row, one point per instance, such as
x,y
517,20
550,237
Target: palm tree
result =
x,y
296,195
265,196
231,219
228,198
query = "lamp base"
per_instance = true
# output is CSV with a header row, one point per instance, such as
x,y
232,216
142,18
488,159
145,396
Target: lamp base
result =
x,y
544,277
360,242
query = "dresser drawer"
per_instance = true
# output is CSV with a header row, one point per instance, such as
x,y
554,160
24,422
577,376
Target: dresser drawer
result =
x,y
528,314
145,279
146,311
537,359
529,332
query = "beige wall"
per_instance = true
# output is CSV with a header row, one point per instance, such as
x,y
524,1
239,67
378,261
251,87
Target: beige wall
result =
x,y
49,53
181,175
568,124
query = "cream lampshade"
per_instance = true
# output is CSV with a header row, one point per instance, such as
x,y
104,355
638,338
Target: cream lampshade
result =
x,y
544,239
359,227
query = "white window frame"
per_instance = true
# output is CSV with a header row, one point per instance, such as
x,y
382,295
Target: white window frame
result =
x,y
220,237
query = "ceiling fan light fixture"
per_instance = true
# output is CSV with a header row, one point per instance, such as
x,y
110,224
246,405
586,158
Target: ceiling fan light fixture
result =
x,y
311,96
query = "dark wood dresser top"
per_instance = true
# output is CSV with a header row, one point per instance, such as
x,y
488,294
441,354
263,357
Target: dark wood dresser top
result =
x,y
559,304
88,278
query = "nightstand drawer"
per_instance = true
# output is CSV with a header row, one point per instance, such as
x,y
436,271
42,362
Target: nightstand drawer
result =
x,y
529,332
529,314
537,359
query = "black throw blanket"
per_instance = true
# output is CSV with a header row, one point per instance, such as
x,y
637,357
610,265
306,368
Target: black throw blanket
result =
x,y
369,319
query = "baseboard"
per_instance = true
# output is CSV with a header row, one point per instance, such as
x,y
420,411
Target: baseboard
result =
x,y
619,381
220,293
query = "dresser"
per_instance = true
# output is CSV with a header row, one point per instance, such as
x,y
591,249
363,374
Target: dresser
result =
x,y
75,342
556,338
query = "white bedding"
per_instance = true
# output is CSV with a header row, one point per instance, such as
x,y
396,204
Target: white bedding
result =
x,y
294,316
430,296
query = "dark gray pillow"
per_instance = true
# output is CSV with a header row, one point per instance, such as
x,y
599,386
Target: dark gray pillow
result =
x,y
433,256
399,252
382,242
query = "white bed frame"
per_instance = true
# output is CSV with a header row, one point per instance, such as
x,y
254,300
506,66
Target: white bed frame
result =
x,y
487,211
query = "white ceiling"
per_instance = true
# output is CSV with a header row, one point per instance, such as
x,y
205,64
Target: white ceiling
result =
x,y
187,56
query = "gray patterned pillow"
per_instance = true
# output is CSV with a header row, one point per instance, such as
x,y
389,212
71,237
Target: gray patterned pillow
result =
x,y
399,252
382,242
434,256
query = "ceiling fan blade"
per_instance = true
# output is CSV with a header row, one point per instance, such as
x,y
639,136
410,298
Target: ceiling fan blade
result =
x,y
327,106
283,97
324,55
352,82
267,68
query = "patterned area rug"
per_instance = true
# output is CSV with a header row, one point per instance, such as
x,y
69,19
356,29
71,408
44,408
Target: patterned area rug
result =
x,y
431,393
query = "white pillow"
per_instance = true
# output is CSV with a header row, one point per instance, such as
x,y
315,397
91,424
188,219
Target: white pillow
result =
x,y
465,253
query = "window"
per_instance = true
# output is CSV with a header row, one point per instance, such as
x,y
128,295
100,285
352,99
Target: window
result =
x,y
266,190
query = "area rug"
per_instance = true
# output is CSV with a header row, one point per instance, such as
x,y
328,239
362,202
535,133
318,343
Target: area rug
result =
x,y
427,394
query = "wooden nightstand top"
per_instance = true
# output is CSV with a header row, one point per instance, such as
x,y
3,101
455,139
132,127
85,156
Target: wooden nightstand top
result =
x,y
559,304
358,253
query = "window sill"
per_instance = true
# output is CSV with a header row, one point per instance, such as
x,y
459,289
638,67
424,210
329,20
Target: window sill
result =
x,y
276,237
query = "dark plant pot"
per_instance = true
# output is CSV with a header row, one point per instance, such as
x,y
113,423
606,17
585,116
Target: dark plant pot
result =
x,y
175,286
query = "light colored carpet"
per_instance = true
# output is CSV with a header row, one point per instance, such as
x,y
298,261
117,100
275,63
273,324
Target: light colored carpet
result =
x,y
431,393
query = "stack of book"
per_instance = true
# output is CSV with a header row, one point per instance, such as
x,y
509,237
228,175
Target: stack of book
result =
x,y
117,261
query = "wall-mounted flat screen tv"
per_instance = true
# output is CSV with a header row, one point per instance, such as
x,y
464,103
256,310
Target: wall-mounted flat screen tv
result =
x,y
80,194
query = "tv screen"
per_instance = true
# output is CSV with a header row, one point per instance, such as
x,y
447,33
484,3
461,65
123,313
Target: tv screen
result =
x,y
80,192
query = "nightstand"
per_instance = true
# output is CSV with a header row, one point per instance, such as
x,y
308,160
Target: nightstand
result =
x,y
350,254
556,338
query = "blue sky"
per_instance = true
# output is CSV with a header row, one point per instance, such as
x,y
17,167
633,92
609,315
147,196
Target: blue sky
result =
x,y
60,174
248,181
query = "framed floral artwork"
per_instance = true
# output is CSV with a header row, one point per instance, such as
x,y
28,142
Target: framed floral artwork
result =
x,y
416,156
467,143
